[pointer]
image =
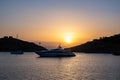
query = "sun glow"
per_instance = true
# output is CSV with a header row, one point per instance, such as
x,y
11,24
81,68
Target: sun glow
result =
x,y
68,39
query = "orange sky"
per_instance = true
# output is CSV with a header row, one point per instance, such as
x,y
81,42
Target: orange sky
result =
x,y
52,21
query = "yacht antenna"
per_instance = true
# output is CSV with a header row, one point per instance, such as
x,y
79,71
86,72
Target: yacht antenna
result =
x,y
59,46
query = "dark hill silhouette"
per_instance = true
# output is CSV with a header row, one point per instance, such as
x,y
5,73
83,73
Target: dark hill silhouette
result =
x,y
12,44
103,45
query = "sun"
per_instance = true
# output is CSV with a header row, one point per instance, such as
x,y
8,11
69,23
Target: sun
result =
x,y
68,39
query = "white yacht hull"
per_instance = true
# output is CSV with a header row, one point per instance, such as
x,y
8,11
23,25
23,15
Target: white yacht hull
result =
x,y
55,54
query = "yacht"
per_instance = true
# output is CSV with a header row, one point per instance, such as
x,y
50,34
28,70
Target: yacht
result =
x,y
58,52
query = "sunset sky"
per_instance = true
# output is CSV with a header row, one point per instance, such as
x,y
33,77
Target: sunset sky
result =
x,y
69,22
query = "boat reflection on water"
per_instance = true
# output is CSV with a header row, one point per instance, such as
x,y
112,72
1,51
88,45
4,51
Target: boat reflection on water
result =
x,y
17,52
58,52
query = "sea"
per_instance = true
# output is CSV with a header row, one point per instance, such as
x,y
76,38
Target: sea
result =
x,y
30,66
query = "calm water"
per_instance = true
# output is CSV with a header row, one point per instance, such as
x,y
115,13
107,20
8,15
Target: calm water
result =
x,y
81,67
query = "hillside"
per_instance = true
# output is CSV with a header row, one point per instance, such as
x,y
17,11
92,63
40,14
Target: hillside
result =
x,y
11,44
101,45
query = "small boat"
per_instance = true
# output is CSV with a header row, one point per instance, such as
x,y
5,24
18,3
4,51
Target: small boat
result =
x,y
17,52
58,52
117,53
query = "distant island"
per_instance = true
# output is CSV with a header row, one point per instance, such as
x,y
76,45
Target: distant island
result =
x,y
102,45
8,43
